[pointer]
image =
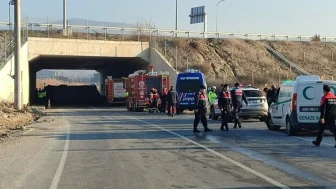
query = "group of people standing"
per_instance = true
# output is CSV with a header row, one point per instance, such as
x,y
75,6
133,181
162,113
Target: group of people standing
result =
x,y
271,94
227,101
169,100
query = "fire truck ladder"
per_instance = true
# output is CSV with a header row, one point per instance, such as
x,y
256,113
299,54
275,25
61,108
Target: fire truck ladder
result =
x,y
164,81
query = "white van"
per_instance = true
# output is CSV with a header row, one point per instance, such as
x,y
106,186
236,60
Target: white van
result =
x,y
297,104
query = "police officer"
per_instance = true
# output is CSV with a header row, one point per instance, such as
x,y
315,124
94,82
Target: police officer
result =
x,y
201,109
224,103
237,102
328,114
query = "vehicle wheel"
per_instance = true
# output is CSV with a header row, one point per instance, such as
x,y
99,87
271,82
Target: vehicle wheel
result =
x,y
270,125
289,128
263,119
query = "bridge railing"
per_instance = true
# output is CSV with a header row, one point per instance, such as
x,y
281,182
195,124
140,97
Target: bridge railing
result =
x,y
105,33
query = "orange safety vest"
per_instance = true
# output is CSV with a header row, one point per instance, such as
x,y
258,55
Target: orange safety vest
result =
x,y
151,96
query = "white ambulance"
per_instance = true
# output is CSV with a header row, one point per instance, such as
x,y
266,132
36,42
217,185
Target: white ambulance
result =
x,y
297,104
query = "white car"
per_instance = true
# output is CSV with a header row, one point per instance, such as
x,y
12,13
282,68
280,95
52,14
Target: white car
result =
x,y
257,106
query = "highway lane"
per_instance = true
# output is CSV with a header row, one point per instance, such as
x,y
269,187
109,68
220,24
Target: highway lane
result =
x,y
112,148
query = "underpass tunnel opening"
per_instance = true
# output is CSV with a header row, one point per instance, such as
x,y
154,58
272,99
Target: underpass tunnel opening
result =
x,y
71,80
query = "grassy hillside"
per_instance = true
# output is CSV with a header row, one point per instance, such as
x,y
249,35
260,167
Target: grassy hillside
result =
x,y
314,57
248,61
229,60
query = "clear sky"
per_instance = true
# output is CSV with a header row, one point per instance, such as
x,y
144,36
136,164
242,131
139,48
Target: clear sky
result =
x,y
244,16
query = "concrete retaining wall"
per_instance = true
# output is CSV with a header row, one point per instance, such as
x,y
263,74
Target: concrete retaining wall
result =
x,y
79,47
161,64
7,82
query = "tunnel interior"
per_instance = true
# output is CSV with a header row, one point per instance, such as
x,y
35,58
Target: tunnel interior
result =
x,y
117,67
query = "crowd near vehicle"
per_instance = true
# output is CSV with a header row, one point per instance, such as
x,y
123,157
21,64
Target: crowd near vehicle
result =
x,y
297,104
257,105
139,85
187,84
115,90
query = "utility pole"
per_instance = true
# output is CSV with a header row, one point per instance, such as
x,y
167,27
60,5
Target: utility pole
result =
x,y
187,64
176,21
17,55
64,14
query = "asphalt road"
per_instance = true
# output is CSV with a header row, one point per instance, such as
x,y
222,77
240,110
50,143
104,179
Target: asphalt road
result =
x,y
111,148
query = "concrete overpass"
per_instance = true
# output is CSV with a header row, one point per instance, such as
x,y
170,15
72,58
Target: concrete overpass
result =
x,y
114,58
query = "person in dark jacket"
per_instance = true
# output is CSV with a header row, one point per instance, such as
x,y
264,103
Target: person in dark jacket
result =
x,y
172,99
201,109
328,115
163,99
270,95
224,104
237,96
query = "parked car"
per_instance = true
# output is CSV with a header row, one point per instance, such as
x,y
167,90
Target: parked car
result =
x,y
257,106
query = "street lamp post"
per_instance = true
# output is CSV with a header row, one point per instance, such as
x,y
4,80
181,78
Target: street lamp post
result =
x,y
11,2
64,14
217,13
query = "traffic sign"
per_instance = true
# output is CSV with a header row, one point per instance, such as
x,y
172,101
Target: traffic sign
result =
x,y
197,15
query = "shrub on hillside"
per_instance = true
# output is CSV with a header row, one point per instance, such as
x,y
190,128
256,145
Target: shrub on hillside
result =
x,y
316,38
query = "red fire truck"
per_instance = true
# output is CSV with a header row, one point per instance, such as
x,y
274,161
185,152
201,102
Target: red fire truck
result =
x,y
115,90
139,85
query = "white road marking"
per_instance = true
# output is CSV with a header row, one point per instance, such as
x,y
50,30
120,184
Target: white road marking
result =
x,y
262,176
60,168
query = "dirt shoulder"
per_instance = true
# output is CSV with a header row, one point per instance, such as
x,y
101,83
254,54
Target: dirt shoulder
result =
x,y
12,121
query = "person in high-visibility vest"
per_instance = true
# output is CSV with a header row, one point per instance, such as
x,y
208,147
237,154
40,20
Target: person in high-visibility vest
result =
x,y
40,95
212,95
126,94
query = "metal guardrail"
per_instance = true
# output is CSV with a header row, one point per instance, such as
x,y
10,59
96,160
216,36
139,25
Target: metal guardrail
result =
x,y
8,49
150,31
290,63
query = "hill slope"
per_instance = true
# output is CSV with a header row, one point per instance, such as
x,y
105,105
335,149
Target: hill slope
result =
x,y
248,61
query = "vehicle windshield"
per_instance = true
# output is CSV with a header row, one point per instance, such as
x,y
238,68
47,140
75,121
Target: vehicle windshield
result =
x,y
188,85
253,93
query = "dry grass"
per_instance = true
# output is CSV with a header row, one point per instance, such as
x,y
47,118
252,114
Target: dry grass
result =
x,y
315,57
12,120
229,60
